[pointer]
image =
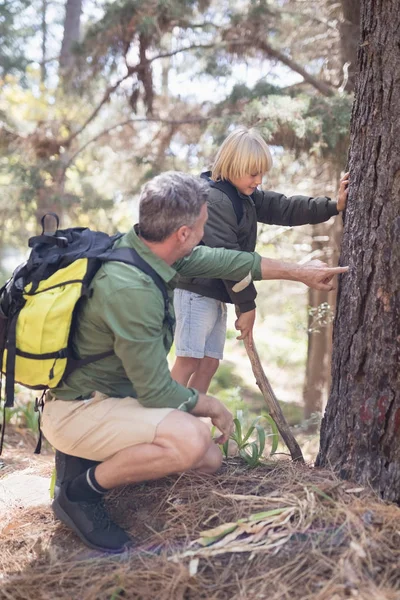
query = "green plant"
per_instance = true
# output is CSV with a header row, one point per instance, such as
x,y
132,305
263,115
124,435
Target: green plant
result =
x,y
23,415
251,451
53,483
320,316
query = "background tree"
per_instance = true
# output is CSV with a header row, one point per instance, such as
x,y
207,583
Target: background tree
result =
x,y
360,431
327,236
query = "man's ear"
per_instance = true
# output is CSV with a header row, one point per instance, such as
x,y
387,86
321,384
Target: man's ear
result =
x,y
182,234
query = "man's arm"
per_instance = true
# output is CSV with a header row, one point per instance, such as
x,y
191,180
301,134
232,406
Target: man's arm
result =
x,y
228,264
314,273
135,316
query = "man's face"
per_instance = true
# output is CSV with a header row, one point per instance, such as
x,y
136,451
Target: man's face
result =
x,y
195,233
248,183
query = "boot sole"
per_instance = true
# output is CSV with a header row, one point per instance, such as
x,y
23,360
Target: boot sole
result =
x,y
64,518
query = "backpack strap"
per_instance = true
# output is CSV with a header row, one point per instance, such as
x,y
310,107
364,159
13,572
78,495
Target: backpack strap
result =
x,y
10,361
129,256
229,189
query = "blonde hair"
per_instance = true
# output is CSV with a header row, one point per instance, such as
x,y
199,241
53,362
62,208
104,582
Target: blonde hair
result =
x,y
244,152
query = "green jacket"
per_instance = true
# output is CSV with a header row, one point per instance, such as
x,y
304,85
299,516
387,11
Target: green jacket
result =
x,y
125,313
222,230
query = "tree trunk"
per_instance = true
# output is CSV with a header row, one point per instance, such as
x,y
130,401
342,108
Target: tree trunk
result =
x,y
317,376
44,42
73,10
317,350
360,436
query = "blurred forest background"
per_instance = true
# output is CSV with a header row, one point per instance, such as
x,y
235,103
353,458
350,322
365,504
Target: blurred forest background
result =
x,y
98,96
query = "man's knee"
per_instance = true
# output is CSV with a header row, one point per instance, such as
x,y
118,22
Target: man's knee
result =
x,y
187,439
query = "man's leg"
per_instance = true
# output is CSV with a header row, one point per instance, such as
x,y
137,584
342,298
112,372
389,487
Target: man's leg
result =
x,y
181,442
68,467
202,376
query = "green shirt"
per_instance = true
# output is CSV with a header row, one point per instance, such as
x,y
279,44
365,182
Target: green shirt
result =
x,y
125,313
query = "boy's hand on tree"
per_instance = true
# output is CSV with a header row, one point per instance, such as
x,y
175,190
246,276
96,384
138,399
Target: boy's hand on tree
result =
x,y
343,192
245,323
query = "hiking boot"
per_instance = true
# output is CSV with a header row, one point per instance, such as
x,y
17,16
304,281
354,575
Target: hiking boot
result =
x,y
68,467
91,522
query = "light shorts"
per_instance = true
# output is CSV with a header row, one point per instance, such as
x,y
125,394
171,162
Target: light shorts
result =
x,y
99,427
200,325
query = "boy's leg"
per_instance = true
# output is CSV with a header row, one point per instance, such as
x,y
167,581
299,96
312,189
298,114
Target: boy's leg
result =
x,y
214,349
199,339
202,376
188,351
183,369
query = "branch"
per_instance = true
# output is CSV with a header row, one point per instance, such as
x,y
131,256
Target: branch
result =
x,y
179,50
271,401
321,86
105,99
130,71
320,20
136,120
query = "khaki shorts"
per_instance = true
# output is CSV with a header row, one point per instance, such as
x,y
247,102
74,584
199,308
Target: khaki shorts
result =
x,y
99,427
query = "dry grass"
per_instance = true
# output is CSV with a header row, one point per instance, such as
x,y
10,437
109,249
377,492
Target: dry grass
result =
x,y
335,541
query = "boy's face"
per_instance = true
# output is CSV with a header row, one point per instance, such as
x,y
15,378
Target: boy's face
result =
x,y
248,183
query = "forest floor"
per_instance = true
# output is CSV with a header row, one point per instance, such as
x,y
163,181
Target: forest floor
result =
x,y
280,531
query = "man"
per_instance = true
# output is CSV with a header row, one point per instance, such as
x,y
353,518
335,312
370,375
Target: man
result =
x,y
125,411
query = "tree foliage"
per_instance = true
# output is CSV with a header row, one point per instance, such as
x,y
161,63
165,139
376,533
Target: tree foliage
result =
x,y
127,112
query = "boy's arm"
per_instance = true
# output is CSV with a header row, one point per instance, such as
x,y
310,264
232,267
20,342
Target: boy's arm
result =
x,y
277,209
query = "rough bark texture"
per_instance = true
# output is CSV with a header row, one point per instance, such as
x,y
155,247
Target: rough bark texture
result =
x,y
360,436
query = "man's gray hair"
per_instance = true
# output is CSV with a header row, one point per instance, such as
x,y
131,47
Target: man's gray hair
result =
x,y
168,202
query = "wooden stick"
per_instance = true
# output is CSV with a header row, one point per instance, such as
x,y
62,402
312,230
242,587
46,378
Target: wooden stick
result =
x,y
270,399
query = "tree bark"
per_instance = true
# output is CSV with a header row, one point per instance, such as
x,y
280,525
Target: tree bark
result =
x,y
360,435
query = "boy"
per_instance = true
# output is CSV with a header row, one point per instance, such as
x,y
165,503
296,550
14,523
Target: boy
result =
x,y
235,205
